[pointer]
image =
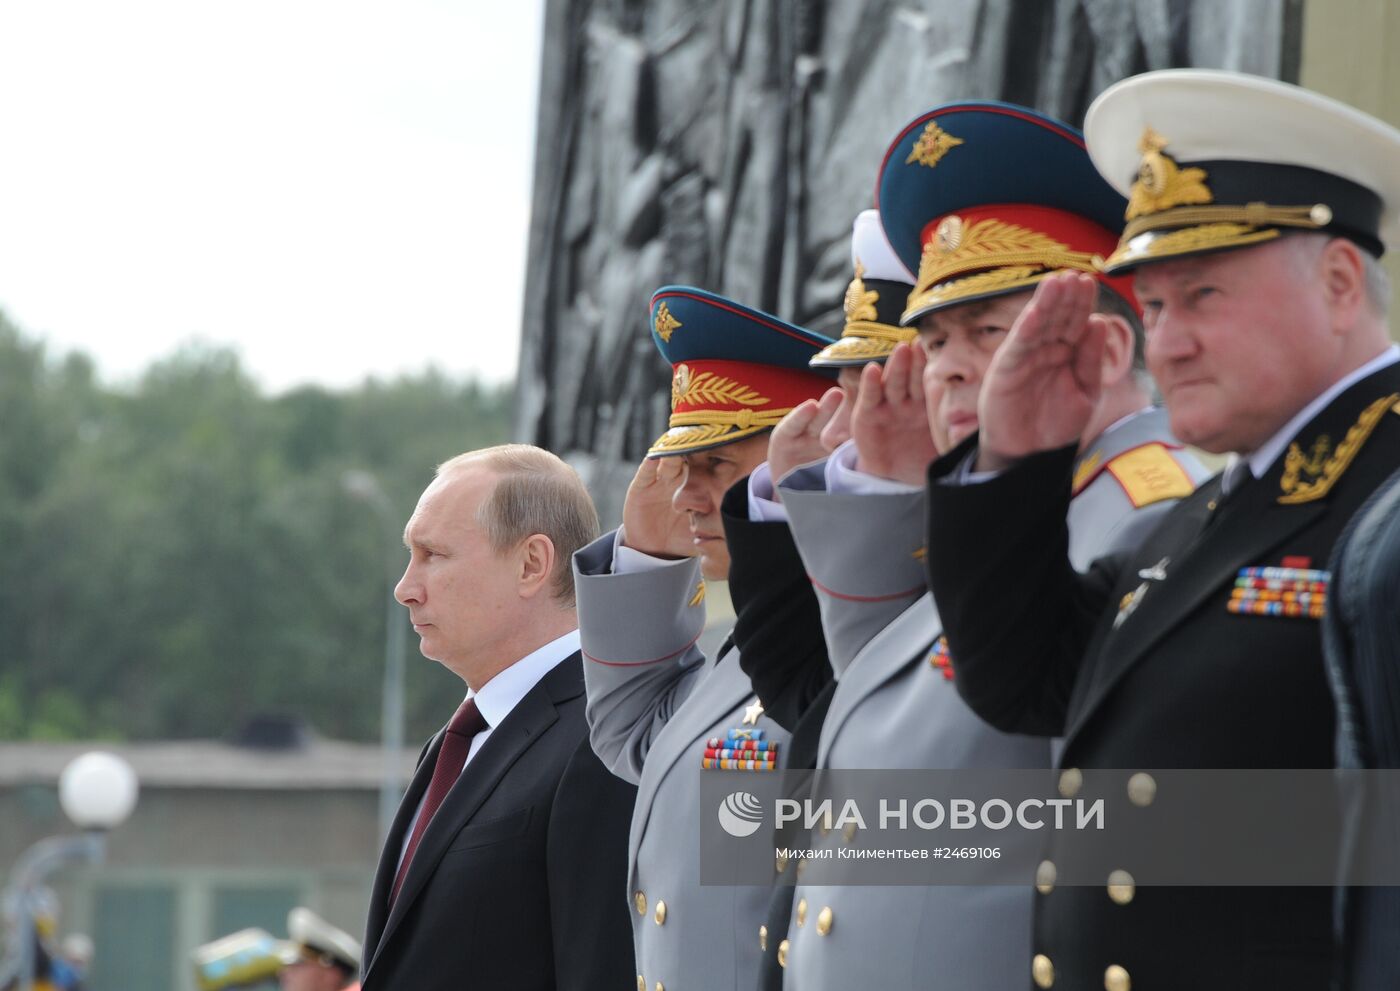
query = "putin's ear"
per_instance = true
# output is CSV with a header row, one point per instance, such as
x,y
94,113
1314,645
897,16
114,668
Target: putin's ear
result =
x,y
1343,274
536,557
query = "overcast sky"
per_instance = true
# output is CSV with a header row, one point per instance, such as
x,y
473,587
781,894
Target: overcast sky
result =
x,y
337,188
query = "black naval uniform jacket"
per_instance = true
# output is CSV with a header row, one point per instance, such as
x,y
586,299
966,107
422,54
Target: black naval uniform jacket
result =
x,y
518,879
778,629
1181,683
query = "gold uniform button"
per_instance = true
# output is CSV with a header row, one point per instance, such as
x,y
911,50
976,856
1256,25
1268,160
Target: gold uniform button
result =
x,y
1045,876
660,986
640,900
1071,780
660,913
801,912
781,864
1121,887
824,921
641,983
1115,978
1042,971
782,953
763,938
1142,789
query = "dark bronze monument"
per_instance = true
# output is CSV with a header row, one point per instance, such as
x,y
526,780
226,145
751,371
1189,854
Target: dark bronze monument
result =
x,y
730,144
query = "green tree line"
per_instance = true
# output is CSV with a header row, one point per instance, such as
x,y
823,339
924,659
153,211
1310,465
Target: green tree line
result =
x,y
183,554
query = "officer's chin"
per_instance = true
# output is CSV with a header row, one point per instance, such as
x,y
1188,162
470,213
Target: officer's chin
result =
x,y
714,561
956,435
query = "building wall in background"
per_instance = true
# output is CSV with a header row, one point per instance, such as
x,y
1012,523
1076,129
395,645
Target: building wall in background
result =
x,y
1351,52
200,860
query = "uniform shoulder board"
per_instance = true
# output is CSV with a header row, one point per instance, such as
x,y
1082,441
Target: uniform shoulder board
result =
x,y
1148,473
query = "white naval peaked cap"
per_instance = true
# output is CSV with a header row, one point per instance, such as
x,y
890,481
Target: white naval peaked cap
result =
x,y
874,301
1212,159
314,936
871,250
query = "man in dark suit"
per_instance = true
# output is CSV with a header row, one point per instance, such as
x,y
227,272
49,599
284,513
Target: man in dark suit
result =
x,y
506,864
1254,250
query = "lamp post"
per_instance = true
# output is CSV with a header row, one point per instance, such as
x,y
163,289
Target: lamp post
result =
x,y
365,487
97,791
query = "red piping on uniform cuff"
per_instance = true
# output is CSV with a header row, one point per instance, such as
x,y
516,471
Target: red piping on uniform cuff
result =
x,y
915,591
638,664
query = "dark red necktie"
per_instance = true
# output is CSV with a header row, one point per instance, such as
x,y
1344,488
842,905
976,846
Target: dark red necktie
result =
x,y
452,756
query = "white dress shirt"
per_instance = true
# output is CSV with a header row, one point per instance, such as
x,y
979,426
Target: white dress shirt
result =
x,y
629,560
841,476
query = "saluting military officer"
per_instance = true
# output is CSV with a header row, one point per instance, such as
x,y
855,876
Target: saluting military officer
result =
x,y
982,234
776,607
1256,213
756,525
661,713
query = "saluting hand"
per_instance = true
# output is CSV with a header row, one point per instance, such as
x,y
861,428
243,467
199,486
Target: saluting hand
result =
x,y
889,421
650,523
1044,381
801,437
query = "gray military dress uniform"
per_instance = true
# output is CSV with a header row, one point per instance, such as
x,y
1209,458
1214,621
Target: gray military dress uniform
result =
x,y
895,706
654,701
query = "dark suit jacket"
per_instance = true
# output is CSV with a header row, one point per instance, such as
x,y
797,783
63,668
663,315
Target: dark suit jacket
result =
x,y
1180,683
519,880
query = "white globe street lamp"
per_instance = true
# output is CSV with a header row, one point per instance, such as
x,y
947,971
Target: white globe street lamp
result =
x,y
98,790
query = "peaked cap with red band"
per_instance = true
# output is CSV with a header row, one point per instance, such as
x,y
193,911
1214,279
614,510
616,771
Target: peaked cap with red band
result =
x,y
982,199
736,371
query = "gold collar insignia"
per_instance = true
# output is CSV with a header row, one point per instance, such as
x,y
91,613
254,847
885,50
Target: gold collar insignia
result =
x,y
1322,471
